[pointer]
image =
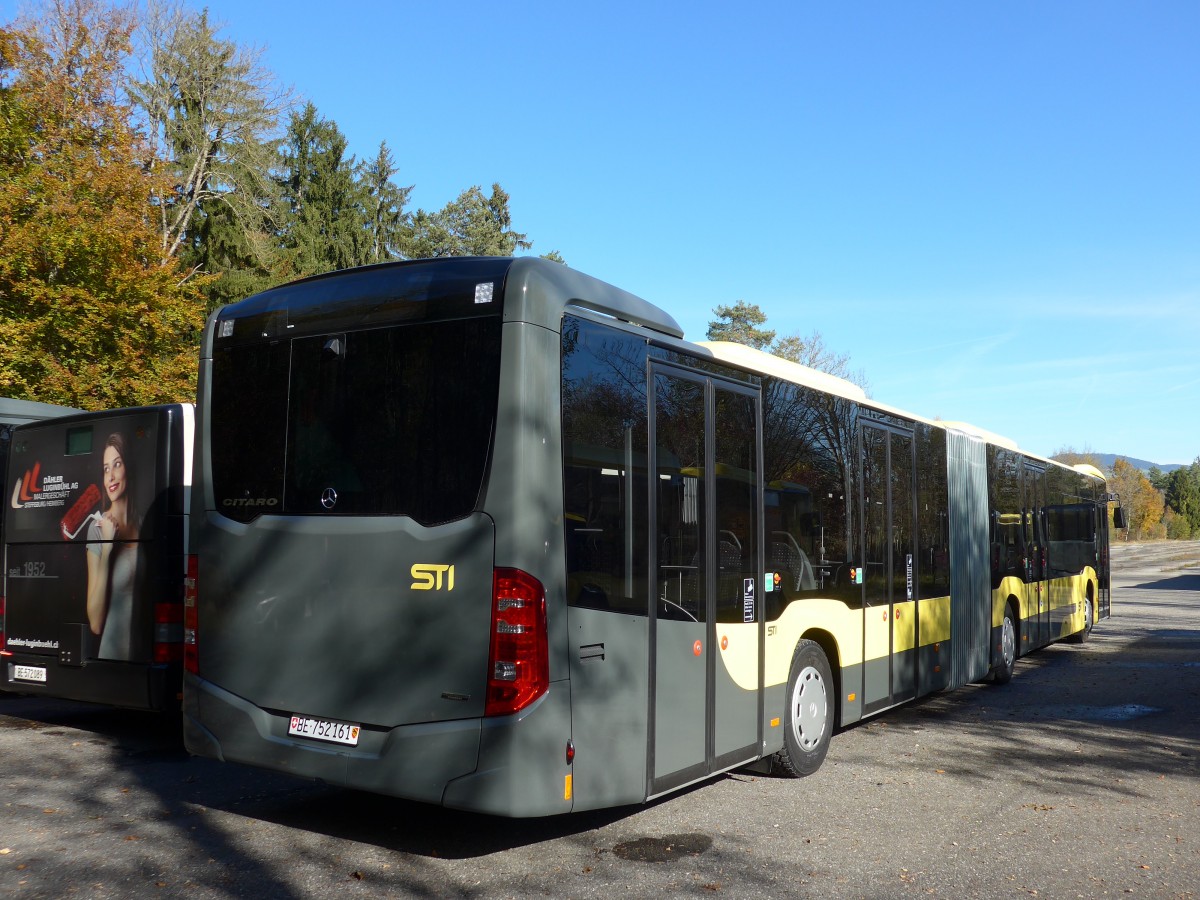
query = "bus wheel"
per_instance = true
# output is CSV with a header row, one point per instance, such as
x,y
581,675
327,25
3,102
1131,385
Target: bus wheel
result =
x,y
1003,672
1089,619
808,718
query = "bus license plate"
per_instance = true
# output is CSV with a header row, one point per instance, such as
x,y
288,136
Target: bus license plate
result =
x,y
29,673
325,730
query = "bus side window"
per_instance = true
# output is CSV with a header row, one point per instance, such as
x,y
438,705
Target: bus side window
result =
x,y
605,479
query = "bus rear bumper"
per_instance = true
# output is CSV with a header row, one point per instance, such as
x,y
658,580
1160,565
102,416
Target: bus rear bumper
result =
x,y
436,762
111,682
410,761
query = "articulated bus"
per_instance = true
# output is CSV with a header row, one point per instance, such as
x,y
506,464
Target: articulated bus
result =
x,y
488,533
94,553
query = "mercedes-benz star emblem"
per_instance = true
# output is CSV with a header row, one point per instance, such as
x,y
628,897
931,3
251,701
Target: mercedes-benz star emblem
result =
x,y
329,498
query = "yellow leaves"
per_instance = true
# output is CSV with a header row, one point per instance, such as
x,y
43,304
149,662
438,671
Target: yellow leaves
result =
x,y
89,316
1143,503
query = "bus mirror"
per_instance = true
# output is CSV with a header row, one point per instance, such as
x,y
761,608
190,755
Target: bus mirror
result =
x,y
1119,518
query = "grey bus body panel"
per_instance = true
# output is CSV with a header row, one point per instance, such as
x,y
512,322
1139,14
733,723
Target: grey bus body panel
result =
x,y
523,494
609,686
536,291
680,716
319,616
523,768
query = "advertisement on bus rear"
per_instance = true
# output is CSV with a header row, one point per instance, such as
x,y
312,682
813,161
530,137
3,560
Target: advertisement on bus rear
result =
x,y
80,507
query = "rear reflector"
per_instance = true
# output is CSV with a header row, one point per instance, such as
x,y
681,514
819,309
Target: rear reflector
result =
x,y
519,659
191,658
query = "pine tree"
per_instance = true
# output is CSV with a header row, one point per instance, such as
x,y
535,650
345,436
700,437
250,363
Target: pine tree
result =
x,y
327,229
741,323
389,227
214,115
473,224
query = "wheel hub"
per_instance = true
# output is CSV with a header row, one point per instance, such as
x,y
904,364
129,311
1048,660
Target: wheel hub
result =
x,y
809,708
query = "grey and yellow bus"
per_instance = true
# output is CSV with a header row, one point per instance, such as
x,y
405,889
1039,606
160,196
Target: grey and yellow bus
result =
x,y
488,533
94,553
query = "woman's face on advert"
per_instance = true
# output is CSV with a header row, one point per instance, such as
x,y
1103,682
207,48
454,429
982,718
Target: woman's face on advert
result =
x,y
114,474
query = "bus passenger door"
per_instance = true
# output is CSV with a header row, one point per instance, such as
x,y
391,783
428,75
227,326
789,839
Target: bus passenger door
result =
x,y
889,609
705,671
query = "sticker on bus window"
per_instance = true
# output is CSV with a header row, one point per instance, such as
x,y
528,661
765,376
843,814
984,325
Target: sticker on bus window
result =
x,y
747,599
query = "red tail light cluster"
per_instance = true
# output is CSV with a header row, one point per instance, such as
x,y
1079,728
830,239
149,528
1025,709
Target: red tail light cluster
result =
x,y
191,659
518,659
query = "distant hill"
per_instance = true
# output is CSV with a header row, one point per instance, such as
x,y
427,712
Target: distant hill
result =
x,y
1109,458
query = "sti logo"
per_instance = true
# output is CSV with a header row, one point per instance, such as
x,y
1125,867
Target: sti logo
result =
x,y
428,577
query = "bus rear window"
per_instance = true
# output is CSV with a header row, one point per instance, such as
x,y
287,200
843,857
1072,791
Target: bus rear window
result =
x,y
388,421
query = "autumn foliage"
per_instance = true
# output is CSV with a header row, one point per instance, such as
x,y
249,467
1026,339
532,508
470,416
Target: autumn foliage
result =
x,y
89,314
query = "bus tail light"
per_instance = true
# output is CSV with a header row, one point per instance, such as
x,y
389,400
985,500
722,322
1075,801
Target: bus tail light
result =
x,y
168,632
3,639
191,659
519,657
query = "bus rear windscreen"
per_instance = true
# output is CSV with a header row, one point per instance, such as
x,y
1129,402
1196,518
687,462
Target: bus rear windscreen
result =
x,y
386,421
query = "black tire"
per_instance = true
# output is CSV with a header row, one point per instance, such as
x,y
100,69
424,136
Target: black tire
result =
x,y
809,714
1089,619
1003,671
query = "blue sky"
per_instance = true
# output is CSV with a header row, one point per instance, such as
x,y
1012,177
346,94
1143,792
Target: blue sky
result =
x,y
993,208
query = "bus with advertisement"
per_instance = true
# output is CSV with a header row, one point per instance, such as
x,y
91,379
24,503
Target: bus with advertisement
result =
x,y
95,539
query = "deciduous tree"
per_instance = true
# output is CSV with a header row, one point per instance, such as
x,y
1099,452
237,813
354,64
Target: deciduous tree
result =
x,y
89,314
812,351
1072,457
1143,504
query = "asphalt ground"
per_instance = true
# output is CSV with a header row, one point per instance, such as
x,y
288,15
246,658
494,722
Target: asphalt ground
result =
x,y
1078,779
